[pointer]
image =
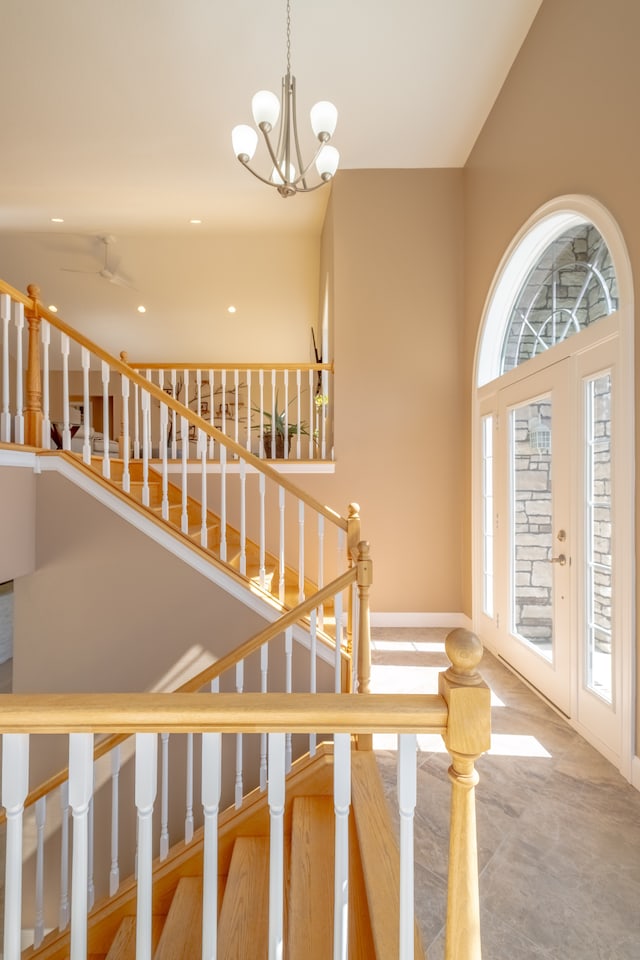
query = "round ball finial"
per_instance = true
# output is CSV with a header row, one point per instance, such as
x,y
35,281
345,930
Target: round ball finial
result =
x,y
364,548
34,291
464,650
124,356
354,510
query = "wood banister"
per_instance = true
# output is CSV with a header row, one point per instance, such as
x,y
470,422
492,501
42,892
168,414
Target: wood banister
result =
x,y
128,713
202,365
468,736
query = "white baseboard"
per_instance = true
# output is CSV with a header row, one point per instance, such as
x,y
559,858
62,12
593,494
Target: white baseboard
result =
x,y
421,620
635,772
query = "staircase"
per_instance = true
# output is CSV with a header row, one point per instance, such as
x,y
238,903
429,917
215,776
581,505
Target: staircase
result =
x,y
243,881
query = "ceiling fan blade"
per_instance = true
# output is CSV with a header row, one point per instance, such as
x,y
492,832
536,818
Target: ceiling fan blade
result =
x,y
121,281
71,270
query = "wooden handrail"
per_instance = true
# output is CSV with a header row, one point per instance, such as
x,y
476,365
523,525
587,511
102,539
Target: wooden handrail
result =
x,y
138,365
181,410
127,713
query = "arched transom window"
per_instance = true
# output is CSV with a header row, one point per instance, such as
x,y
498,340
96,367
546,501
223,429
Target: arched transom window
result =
x,y
571,285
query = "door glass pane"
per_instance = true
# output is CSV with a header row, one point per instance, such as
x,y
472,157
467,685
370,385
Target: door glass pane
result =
x,y
531,526
598,573
487,515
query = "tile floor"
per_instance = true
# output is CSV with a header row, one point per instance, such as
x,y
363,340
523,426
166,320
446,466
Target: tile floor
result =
x,y
558,827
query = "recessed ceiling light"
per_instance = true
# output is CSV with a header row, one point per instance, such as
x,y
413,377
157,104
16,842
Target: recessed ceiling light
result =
x,y
195,221
57,220
231,309
53,308
142,309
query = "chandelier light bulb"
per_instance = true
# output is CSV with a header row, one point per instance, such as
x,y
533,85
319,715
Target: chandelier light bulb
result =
x,y
265,107
245,141
324,117
327,162
278,176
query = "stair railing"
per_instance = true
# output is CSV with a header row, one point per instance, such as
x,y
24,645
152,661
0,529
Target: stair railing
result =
x,y
75,396
460,712
279,411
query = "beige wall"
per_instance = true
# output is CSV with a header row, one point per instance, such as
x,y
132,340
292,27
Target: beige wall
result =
x,y
565,122
392,247
17,522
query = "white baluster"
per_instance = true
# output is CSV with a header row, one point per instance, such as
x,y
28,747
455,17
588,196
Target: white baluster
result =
x,y
215,685
311,417
66,432
342,802
164,443
261,451
91,891
80,786
15,784
248,396
18,316
243,518
211,413
264,678
299,413
288,681
276,844
407,776
106,426
281,546
145,790
337,607
236,387
286,415
199,392
223,502
313,653
145,403
114,873
174,425
85,362
5,417
63,917
184,444
211,789
45,333
355,619
223,405
202,448
323,413
272,452
164,787
126,476
320,566
262,543
238,783
300,551
188,820
136,423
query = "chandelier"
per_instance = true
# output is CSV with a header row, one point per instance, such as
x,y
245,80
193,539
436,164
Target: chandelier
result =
x,y
289,175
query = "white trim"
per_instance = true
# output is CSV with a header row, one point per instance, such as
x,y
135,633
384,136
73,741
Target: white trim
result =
x,y
635,772
181,550
421,620
15,457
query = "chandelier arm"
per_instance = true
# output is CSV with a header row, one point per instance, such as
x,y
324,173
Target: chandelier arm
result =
x,y
304,172
245,164
274,157
301,167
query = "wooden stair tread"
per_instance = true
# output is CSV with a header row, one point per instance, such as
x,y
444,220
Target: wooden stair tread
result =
x,y
379,855
310,922
244,919
181,937
123,946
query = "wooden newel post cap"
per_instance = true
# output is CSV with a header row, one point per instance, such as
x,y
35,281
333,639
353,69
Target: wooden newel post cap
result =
x,y
464,650
124,356
365,566
34,291
354,511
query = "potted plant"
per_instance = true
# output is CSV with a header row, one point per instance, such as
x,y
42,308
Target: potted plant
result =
x,y
277,433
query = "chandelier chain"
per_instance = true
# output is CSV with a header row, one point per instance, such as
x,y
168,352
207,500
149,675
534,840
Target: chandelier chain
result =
x,y
288,36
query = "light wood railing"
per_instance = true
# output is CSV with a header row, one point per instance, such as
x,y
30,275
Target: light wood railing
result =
x,y
280,411
459,712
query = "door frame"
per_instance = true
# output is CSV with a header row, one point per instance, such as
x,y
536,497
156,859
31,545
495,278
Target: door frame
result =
x,y
528,243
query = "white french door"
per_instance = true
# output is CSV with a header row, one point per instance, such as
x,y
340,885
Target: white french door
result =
x,y
561,588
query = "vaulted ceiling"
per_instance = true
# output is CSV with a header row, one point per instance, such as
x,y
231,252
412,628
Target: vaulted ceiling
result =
x,y
116,117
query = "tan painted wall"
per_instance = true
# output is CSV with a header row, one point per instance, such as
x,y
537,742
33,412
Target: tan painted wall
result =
x,y
392,247
17,522
565,122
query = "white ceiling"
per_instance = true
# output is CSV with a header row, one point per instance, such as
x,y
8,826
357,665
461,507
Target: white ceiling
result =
x,y
116,115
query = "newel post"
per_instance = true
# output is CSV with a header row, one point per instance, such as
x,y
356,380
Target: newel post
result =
x,y
353,539
468,736
364,580
33,406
